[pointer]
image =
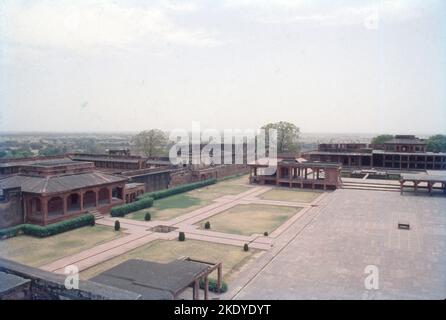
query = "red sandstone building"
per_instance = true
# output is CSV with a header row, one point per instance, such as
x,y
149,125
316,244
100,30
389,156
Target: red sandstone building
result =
x,y
53,190
297,173
400,153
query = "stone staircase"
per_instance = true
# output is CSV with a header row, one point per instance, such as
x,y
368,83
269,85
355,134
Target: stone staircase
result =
x,y
97,214
373,186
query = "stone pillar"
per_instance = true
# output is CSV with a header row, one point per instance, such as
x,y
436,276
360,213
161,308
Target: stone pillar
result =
x,y
81,200
196,290
110,199
44,203
65,198
96,193
219,277
206,288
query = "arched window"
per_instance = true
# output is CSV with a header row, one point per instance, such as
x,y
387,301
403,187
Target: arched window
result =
x,y
34,206
73,202
55,206
104,196
89,199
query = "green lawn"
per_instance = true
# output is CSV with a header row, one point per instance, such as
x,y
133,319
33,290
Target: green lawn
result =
x,y
247,219
40,251
177,205
293,195
170,207
164,251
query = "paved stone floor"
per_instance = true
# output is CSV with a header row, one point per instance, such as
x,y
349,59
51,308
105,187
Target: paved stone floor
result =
x,y
326,258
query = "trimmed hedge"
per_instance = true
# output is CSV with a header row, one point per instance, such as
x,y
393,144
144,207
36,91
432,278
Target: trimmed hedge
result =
x,y
11,232
122,210
49,230
176,190
213,285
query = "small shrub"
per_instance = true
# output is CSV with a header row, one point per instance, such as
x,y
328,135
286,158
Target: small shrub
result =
x,y
245,247
181,236
11,232
122,210
117,225
147,216
49,230
265,233
213,285
207,225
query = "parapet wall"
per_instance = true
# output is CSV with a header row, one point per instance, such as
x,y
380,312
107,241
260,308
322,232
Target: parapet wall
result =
x,y
11,212
45,285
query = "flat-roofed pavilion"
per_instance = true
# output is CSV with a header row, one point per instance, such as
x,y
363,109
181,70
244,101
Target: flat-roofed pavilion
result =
x,y
161,281
431,181
298,173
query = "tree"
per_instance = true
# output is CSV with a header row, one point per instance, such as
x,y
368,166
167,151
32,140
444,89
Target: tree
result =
x,y
53,151
287,136
151,142
382,138
436,143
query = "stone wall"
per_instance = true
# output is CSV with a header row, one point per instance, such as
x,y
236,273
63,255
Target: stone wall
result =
x,y
11,212
153,181
45,285
218,172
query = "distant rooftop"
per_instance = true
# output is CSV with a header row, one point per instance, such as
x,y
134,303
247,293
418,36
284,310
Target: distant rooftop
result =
x,y
59,183
405,139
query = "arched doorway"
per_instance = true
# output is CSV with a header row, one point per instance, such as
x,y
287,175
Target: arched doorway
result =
x,y
55,207
104,196
34,206
89,199
74,202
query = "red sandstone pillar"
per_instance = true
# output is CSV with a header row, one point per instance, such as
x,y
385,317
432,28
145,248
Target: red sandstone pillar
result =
x,y
196,290
96,193
219,277
64,197
44,202
81,200
206,288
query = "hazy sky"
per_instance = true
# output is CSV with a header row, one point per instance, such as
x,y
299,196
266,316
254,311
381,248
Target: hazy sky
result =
x,y
327,66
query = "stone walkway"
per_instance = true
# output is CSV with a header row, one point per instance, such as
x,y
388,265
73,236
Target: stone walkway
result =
x,y
138,233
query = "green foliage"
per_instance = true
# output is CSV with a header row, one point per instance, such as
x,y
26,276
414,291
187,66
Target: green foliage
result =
x,y
287,136
140,204
151,142
245,247
176,190
53,151
19,153
436,143
207,225
213,285
382,138
181,236
117,225
49,230
147,216
11,232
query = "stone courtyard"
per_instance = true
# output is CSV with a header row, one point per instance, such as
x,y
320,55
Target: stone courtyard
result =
x,y
318,244
354,229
